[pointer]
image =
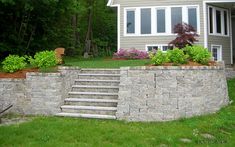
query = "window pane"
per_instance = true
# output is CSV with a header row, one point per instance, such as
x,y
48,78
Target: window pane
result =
x,y
218,21
161,21
225,23
146,21
130,22
192,17
176,17
215,54
165,48
211,19
150,48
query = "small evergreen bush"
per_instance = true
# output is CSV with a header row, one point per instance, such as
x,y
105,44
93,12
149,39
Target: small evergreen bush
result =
x,y
44,59
177,56
159,58
13,63
198,54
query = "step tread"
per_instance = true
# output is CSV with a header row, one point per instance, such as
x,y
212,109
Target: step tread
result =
x,y
89,108
93,93
91,100
95,80
98,116
91,74
100,69
95,86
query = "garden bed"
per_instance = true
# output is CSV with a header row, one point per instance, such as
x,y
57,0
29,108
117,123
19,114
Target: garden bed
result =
x,y
19,74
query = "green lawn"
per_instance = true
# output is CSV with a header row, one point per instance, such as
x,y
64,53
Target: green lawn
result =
x,y
102,62
54,131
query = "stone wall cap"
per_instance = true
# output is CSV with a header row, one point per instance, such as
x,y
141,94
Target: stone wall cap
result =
x,y
174,68
42,74
69,68
11,80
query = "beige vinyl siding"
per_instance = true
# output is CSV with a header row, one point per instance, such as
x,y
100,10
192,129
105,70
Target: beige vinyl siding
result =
x,y
225,41
140,42
226,47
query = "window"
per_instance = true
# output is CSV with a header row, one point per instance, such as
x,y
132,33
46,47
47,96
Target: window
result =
x,y
151,48
161,21
225,23
216,51
130,23
158,47
211,19
146,21
218,21
192,17
176,17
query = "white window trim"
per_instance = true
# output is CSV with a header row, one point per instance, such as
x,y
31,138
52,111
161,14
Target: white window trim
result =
x,y
154,20
214,22
158,45
220,51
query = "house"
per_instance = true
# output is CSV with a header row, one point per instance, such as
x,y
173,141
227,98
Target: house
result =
x,y
148,24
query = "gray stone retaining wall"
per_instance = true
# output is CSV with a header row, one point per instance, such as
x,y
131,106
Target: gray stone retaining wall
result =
x,y
230,73
12,91
169,93
39,93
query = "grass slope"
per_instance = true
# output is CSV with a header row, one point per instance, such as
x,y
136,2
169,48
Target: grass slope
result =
x,y
102,63
53,131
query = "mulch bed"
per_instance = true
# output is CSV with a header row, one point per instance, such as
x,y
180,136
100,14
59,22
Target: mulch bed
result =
x,y
19,74
22,73
190,63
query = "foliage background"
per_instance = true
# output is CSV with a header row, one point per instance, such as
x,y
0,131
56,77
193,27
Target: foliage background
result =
x,y
29,26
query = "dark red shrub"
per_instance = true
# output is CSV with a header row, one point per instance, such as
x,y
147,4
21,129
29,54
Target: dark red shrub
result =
x,y
186,35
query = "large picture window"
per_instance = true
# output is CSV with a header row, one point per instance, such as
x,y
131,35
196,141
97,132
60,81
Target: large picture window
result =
x,y
130,25
192,17
176,17
146,21
218,21
159,20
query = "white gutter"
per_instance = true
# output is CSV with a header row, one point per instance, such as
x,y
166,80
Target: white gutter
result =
x,y
110,3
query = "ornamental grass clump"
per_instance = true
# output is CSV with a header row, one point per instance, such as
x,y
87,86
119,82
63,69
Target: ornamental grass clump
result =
x,y
198,54
13,63
130,54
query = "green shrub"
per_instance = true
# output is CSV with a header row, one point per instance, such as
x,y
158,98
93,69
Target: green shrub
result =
x,y
177,56
13,63
159,58
44,59
198,54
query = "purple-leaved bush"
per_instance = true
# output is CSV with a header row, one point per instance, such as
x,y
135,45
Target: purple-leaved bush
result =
x,y
130,54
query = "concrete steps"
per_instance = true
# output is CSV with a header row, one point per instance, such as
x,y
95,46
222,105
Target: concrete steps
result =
x,y
86,115
95,88
93,95
97,82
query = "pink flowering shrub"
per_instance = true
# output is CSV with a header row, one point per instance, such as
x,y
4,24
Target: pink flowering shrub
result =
x,y
130,54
